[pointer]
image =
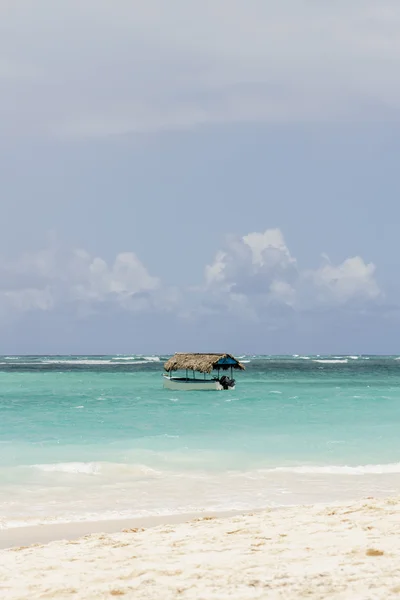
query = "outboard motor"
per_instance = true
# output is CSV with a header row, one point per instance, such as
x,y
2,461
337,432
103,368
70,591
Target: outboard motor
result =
x,y
227,382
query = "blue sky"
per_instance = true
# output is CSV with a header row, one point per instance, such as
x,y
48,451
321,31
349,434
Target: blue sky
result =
x,y
199,176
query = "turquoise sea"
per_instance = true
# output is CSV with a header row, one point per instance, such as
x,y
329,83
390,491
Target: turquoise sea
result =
x,y
87,438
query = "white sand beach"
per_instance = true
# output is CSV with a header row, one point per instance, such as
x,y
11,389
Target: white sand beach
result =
x,y
347,551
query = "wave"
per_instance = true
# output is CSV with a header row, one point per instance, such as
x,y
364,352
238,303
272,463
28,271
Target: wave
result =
x,y
74,467
333,361
81,360
86,361
86,491
137,359
120,515
91,361
95,517
140,470
133,362
96,468
385,469
138,362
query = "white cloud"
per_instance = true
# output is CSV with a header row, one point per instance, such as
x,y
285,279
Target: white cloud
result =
x,y
253,277
281,291
260,268
152,65
25,300
48,278
352,279
93,279
257,262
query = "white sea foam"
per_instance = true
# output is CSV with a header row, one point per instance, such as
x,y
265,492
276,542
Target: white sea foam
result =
x,y
121,469
108,515
94,491
339,470
73,467
97,468
138,360
91,361
332,361
85,361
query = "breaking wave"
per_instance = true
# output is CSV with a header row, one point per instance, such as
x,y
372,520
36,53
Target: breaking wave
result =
x,y
339,470
333,361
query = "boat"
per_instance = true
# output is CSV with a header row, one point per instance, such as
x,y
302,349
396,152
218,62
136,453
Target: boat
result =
x,y
204,364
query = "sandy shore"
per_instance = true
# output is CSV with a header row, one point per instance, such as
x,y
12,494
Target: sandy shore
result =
x,y
343,552
43,534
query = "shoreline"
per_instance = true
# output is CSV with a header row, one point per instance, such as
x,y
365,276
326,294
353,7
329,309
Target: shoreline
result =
x,y
46,533
31,535
340,551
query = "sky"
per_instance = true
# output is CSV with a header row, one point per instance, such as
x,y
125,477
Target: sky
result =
x,y
199,176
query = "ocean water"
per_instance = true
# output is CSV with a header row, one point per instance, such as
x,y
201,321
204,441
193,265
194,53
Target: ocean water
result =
x,y
87,438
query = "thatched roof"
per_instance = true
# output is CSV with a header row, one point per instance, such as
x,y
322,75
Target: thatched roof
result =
x,y
204,363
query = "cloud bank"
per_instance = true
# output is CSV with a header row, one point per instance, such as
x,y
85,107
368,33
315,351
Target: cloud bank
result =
x,y
254,277
50,278
257,275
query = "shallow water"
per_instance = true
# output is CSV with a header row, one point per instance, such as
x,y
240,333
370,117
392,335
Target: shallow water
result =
x,y
98,437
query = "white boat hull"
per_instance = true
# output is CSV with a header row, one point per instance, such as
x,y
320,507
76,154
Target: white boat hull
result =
x,y
176,383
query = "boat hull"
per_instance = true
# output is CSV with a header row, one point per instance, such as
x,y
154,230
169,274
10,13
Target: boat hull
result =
x,y
176,383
